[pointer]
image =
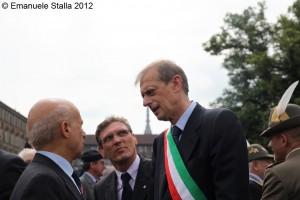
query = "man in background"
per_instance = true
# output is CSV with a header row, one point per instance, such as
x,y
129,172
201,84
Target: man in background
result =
x,y
259,158
11,168
282,179
93,167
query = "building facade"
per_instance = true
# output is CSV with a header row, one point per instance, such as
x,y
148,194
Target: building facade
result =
x,y
12,129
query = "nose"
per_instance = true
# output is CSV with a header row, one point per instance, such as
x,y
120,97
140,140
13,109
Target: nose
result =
x,y
146,101
116,139
83,134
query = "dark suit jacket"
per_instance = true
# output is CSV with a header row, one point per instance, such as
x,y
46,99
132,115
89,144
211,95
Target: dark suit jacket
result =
x,y
11,168
282,180
255,190
106,188
214,151
45,180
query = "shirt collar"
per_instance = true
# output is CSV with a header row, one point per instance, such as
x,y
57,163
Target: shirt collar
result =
x,y
185,116
60,161
256,179
132,170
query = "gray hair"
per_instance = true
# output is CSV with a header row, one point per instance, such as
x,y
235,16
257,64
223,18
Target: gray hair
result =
x,y
166,70
47,128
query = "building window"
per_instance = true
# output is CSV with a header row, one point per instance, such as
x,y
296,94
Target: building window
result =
x,y
6,137
1,113
6,115
1,135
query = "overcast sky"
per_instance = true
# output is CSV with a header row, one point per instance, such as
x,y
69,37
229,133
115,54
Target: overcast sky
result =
x,y
91,57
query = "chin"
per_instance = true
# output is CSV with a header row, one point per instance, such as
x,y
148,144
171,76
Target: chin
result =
x,y
162,118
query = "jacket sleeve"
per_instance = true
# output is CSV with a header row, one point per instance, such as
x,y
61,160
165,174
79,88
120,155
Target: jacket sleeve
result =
x,y
229,157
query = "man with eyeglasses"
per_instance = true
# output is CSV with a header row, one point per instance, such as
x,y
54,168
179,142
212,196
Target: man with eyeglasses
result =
x,y
132,177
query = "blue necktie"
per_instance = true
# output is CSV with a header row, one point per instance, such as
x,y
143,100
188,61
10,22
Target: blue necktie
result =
x,y
176,132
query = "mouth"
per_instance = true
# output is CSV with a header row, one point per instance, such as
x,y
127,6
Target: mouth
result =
x,y
155,110
119,149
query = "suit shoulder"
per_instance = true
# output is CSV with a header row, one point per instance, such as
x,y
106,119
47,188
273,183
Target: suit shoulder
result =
x,y
286,167
219,112
219,118
147,164
108,179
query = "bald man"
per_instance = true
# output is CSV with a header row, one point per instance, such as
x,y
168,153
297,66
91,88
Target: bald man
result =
x,y
54,128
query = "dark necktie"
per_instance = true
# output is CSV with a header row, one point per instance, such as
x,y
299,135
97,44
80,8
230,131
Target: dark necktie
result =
x,y
176,132
77,180
127,191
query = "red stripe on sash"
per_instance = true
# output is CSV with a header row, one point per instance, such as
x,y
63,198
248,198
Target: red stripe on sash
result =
x,y
173,192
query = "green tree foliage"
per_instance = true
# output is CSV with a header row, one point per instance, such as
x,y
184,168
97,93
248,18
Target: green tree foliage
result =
x,y
262,60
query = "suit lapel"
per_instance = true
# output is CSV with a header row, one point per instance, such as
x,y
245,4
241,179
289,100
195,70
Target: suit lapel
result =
x,y
190,134
141,185
71,186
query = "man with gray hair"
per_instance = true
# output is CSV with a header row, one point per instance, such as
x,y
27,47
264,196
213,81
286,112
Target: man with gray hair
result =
x,y
54,128
203,155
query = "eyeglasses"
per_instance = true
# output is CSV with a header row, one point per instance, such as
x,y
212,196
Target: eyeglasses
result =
x,y
121,133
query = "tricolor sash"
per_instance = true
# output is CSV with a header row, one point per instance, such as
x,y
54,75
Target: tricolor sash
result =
x,y
180,183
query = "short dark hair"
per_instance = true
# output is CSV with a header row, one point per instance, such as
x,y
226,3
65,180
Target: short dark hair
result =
x,y
106,123
166,70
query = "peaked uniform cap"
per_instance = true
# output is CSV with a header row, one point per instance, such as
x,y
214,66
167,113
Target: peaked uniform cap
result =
x,y
90,156
258,152
288,120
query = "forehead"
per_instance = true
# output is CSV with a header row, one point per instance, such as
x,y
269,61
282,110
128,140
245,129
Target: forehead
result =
x,y
150,78
112,128
77,115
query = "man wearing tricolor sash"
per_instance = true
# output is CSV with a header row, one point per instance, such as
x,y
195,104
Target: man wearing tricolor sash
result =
x,y
203,155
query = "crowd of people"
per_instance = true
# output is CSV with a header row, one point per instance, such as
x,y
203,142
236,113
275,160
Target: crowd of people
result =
x,y
203,155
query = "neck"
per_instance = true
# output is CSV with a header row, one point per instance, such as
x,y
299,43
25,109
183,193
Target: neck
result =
x,y
93,173
59,151
124,166
181,108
